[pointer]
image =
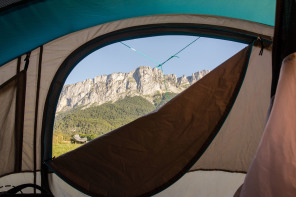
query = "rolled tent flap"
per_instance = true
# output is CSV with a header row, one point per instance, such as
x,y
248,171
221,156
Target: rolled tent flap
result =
x,y
152,152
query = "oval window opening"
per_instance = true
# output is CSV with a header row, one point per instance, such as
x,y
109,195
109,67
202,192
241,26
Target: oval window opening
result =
x,y
126,80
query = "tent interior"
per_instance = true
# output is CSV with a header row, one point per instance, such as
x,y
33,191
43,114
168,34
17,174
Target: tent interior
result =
x,y
211,139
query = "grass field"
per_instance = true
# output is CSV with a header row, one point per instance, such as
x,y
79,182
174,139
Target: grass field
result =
x,y
59,149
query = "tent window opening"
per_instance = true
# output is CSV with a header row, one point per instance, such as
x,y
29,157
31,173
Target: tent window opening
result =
x,y
126,80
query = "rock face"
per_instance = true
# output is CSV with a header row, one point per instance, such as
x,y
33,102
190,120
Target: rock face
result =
x,y
143,81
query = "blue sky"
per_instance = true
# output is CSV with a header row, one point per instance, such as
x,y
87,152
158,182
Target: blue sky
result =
x,y
204,54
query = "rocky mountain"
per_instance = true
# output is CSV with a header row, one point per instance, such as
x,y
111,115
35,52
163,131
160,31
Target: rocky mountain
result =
x,y
143,81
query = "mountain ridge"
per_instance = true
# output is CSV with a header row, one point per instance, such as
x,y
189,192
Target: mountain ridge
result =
x,y
143,81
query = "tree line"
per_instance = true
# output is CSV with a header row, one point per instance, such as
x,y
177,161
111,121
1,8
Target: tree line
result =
x,y
95,121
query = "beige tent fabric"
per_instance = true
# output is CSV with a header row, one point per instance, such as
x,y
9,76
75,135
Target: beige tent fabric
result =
x,y
192,184
60,188
235,145
7,71
7,127
205,184
12,180
273,171
153,151
29,116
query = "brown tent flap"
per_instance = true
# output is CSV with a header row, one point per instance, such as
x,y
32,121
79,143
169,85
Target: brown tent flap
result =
x,y
152,152
235,145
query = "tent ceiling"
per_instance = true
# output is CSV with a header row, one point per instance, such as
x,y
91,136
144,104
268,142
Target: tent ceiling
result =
x,y
34,23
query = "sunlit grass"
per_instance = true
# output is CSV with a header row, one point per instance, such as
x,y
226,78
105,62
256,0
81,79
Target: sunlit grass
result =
x,y
59,149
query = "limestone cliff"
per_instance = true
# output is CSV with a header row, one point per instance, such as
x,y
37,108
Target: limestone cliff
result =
x,y
143,81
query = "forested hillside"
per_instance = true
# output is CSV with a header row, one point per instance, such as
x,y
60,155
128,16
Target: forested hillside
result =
x,y
98,120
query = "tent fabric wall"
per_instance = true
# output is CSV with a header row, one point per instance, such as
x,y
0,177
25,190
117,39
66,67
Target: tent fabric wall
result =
x,y
55,52
7,122
235,145
8,71
203,183
12,97
28,161
37,22
26,118
12,180
32,24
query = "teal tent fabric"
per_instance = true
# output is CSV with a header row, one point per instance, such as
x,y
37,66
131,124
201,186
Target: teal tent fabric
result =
x,y
28,26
